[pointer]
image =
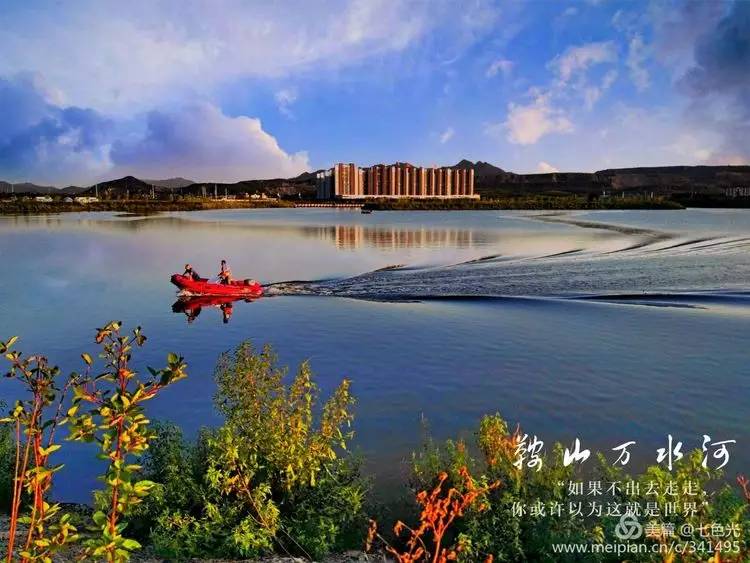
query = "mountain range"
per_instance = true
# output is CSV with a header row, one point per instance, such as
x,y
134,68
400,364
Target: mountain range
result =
x,y
489,180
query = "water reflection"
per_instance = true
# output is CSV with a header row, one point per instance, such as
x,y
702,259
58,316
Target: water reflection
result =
x,y
351,237
192,307
343,236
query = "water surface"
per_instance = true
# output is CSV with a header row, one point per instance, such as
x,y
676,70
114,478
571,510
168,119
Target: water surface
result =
x,y
608,326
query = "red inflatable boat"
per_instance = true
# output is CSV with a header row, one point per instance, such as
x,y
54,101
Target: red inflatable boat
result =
x,y
238,288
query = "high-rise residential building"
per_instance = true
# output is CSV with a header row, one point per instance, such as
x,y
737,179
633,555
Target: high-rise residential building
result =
x,y
348,181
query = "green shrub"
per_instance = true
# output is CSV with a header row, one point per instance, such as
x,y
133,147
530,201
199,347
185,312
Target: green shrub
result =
x,y
7,455
718,502
507,536
496,529
272,478
112,418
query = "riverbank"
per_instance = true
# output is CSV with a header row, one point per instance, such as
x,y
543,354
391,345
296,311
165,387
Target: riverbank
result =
x,y
135,206
147,555
149,207
536,202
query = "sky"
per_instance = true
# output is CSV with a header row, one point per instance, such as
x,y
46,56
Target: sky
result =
x,y
231,90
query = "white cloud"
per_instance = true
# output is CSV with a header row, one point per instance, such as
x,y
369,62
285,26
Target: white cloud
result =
x,y
578,59
122,57
637,54
688,146
591,94
609,79
447,135
200,142
500,65
285,98
526,124
546,168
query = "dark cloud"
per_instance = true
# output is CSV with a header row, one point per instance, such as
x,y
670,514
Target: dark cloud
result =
x,y
43,141
723,57
40,140
719,81
678,24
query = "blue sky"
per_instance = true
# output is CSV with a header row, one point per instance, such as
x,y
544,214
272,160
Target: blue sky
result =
x,y
229,90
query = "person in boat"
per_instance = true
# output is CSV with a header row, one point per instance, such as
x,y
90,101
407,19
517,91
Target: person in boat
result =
x,y
225,274
191,273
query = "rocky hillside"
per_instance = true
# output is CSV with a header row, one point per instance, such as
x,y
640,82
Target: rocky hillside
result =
x,y
663,180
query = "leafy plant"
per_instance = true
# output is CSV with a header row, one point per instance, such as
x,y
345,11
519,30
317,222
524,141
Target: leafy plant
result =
x,y
272,478
496,529
116,422
35,421
527,535
439,510
7,455
688,482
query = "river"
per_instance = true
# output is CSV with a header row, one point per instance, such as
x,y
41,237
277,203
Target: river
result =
x,y
608,326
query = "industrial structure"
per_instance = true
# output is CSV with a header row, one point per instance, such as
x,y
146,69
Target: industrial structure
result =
x,y
400,180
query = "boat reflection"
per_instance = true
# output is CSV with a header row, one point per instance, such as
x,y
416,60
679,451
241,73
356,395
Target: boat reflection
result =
x,y
191,307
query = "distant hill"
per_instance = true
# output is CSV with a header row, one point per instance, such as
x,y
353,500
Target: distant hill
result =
x,y
26,188
303,184
663,180
481,169
72,190
489,180
307,176
171,182
128,186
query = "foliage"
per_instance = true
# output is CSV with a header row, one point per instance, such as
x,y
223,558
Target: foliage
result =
x,y
692,483
439,511
7,453
116,422
35,421
276,421
270,479
511,536
176,467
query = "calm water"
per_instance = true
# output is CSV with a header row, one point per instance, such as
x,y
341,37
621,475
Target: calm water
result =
x,y
608,326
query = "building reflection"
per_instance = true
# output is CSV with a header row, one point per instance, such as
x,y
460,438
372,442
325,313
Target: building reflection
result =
x,y
343,236
349,237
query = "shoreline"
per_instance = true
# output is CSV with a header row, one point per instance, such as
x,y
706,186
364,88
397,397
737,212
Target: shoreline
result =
x,y
150,207
135,206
